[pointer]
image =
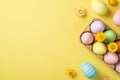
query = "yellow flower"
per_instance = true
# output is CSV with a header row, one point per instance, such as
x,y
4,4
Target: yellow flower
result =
x,y
80,12
112,2
100,37
112,47
106,78
70,73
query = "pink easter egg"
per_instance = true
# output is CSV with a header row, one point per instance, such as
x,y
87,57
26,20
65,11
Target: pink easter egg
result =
x,y
111,58
87,38
116,18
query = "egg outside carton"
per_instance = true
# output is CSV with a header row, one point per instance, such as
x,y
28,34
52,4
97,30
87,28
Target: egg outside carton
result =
x,y
89,46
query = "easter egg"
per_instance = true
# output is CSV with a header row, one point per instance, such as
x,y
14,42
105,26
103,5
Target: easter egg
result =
x,y
88,70
87,38
118,43
110,36
111,58
117,67
99,7
97,26
99,48
116,18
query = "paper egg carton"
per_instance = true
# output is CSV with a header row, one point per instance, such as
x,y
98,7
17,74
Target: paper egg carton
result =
x,y
90,45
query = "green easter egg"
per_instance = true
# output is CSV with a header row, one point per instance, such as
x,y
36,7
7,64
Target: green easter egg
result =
x,y
110,36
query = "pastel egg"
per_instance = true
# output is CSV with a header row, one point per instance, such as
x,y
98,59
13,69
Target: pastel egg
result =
x,y
99,7
99,48
110,36
87,38
88,70
118,43
116,18
97,26
111,58
117,67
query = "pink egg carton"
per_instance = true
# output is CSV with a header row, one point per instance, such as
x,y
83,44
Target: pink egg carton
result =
x,y
89,46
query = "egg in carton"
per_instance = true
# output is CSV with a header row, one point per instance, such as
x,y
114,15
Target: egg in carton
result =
x,y
104,42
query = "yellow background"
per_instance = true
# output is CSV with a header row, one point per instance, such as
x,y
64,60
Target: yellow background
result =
x,y
39,39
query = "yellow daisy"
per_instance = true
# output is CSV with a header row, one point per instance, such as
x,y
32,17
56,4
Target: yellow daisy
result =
x,y
106,78
100,37
112,2
70,73
112,47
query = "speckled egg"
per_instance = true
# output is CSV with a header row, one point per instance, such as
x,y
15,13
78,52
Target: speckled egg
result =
x,y
111,58
88,70
116,18
97,26
87,38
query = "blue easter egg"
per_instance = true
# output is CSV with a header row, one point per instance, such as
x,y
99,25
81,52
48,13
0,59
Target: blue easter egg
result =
x,y
88,70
